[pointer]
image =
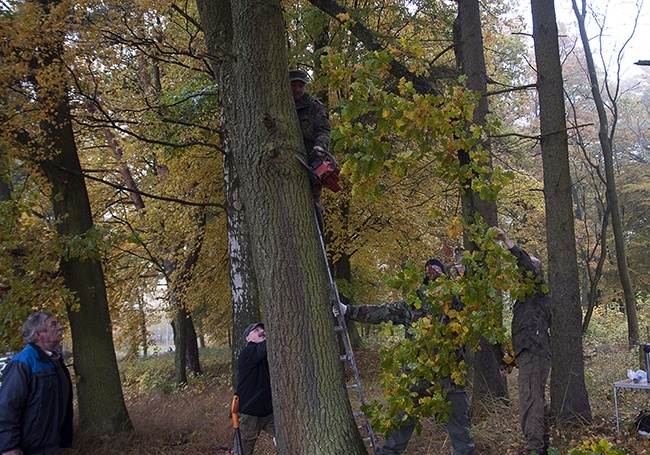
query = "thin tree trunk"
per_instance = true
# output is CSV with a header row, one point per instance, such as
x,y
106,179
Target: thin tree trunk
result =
x,y
592,295
175,279
488,382
569,399
612,195
144,333
244,293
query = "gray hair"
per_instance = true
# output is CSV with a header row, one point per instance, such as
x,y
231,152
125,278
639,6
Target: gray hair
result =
x,y
538,265
35,323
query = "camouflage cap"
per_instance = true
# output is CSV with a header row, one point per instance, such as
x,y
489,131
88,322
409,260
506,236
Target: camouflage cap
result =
x,y
437,262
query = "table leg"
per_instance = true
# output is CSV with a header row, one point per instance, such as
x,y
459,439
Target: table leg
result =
x,y
618,428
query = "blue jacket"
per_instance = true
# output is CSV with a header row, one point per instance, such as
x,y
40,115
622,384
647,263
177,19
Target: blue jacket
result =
x,y
33,416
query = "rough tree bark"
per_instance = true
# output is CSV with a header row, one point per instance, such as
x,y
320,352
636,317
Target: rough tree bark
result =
x,y
244,293
101,404
569,400
488,382
311,406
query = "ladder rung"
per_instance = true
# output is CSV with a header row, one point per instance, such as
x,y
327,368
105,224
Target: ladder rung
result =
x,y
359,414
338,328
344,358
353,386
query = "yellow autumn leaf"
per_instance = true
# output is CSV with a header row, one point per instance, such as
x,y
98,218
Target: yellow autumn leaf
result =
x,y
343,17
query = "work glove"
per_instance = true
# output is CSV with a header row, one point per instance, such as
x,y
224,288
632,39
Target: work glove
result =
x,y
318,151
335,310
316,156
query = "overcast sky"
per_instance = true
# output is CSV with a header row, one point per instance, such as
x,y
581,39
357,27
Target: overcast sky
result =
x,y
619,21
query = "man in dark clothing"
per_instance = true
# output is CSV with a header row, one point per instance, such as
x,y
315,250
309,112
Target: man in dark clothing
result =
x,y
36,393
531,323
315,127
401,312
254,389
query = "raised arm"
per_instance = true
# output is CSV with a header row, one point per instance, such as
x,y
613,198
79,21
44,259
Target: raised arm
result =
x,y
397,312
501,235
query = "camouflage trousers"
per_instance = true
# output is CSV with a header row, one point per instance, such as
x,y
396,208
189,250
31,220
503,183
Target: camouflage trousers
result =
x,y
533,410
458,428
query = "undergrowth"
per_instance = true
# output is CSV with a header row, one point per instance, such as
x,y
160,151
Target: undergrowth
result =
x,y
195,418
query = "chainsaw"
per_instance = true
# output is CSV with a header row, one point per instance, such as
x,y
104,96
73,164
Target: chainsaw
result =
x,y
325,170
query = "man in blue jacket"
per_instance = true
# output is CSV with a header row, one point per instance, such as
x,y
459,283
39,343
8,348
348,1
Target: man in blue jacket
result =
x,y
254,389
36,393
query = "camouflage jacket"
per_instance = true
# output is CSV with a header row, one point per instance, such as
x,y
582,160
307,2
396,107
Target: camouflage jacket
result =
x,y
314,123
531,320
401,312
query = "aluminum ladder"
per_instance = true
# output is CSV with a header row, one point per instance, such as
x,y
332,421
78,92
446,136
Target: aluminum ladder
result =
x,y
342,330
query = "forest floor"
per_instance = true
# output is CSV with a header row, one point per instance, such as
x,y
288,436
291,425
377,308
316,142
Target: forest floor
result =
x,y
195,419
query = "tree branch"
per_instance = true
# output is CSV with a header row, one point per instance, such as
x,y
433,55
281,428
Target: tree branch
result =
x,y
149,195
367,37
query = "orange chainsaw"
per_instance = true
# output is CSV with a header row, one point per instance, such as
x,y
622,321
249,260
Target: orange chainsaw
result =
x,y
325,170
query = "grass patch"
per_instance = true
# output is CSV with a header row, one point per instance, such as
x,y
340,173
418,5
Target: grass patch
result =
x,y
195,418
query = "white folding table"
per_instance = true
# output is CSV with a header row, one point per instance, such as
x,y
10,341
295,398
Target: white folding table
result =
x,y
626,384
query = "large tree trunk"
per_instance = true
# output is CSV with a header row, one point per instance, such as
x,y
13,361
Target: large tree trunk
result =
x,y
612,195
569,398
311,406
101,403
488,382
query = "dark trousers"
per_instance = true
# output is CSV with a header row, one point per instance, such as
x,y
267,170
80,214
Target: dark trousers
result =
x,y
250,428
533,410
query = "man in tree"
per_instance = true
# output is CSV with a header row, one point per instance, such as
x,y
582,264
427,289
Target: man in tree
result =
x,y
254,389
315,127
531,323
36,393
401,312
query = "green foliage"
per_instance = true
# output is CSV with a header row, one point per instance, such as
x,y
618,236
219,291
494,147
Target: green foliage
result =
x,y
384,130
418,371
592,446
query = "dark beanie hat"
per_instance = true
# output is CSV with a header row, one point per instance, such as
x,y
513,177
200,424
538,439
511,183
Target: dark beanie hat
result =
x,y
251,327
